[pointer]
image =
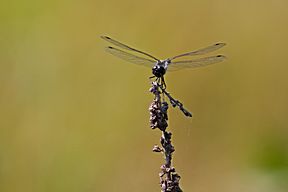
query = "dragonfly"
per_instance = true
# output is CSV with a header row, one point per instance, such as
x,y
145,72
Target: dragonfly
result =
x,y
160,67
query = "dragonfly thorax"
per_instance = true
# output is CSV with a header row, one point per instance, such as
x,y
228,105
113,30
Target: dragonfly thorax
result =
x,y
160,68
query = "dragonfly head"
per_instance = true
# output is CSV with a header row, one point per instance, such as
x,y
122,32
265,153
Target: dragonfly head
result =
x,y
160,68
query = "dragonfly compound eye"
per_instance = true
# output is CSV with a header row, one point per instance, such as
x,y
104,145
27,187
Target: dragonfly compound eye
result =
x,y
158,70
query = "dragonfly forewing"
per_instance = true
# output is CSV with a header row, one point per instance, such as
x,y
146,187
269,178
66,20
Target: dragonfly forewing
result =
x,y
176,65
130,57
201,51
123,46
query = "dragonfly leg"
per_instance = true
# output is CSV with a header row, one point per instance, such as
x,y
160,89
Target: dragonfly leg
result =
x,y
163,82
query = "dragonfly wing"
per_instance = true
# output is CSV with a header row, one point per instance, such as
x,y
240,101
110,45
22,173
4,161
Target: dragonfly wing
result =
x,y
130,57
173,66
201,51
123,46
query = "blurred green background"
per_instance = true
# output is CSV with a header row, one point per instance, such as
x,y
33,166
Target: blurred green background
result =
x,y
74,118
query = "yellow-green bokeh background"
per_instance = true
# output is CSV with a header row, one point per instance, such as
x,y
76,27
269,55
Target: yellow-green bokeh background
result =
x,y
75,119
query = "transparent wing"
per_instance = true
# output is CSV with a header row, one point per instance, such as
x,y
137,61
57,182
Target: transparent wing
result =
x,y
173,66
131,58
123,46
201,51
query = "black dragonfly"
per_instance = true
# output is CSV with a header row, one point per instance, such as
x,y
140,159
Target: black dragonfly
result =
x,y
159,67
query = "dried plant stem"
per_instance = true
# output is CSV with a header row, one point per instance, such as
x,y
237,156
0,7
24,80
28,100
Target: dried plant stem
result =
x,y
169,179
